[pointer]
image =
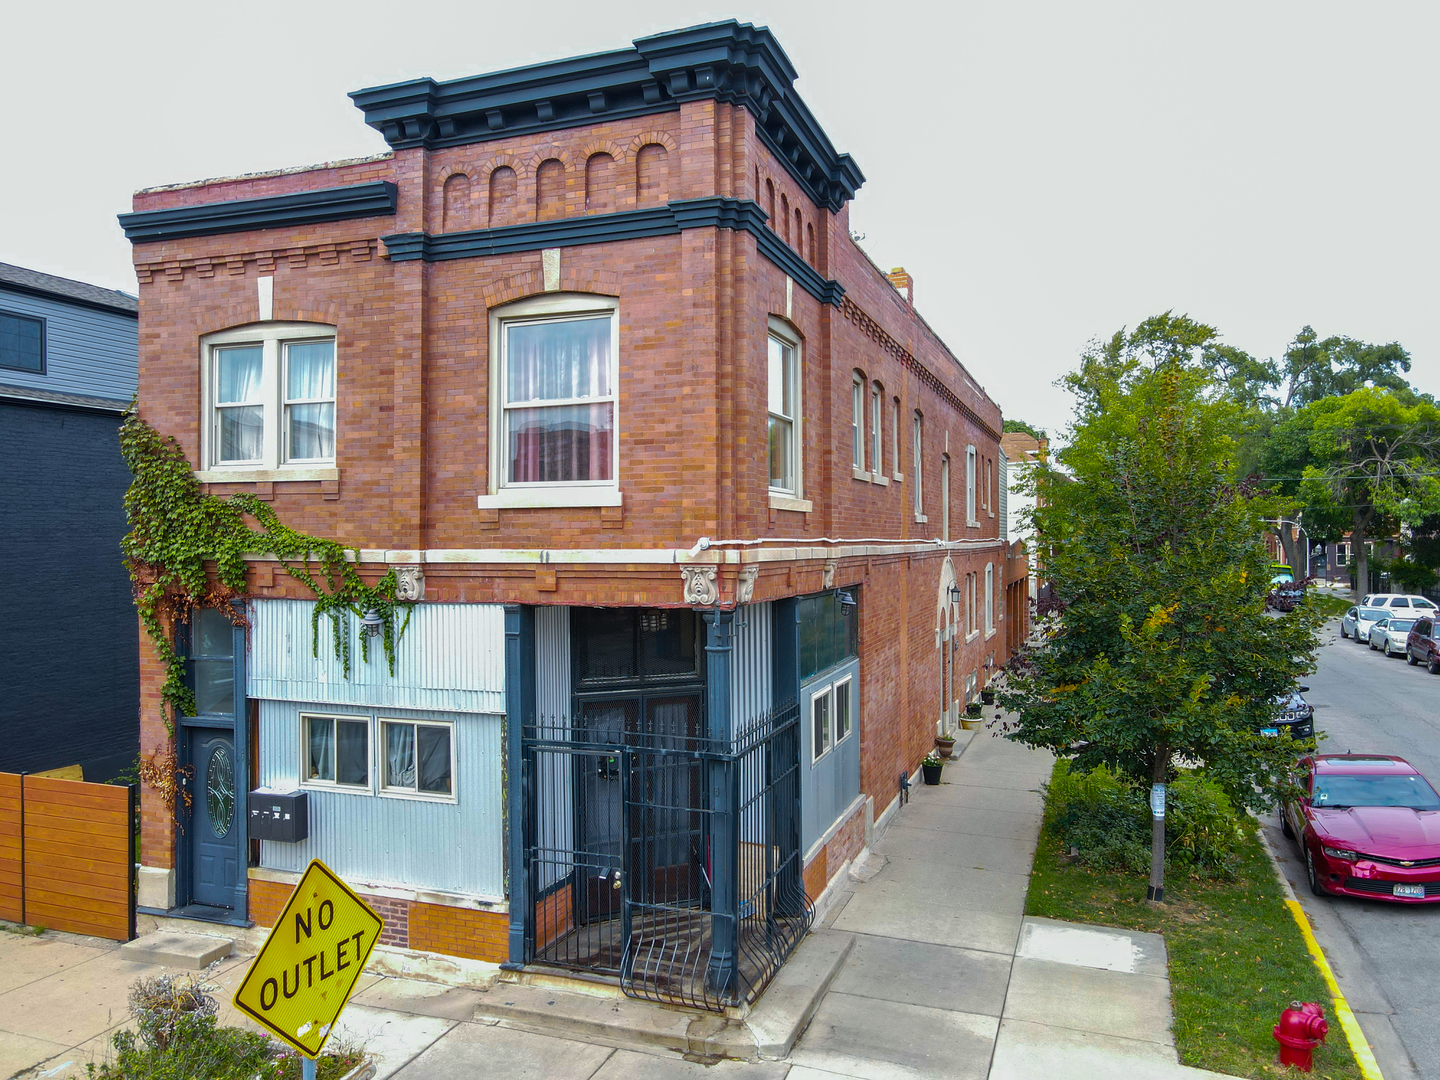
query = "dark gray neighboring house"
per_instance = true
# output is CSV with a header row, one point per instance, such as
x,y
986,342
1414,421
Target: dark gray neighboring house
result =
x,y
69,681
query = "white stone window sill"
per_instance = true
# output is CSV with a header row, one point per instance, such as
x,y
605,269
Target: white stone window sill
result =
x,y
789,502
898,477
859,474
972,524
539,497
880,478
921,519
267,476
989,634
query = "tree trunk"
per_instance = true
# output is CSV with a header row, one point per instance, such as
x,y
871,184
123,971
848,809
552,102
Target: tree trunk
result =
x,y
1155,891
1287,545
1360,557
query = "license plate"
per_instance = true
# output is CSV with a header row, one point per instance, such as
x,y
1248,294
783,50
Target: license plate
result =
x,y
1269,731
1415,892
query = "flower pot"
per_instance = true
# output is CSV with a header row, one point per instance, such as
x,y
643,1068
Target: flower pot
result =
x,y
932,774
987,697
971,723
946,747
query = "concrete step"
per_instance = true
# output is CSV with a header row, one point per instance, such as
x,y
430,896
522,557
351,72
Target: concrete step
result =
x,y
192,952
598,1012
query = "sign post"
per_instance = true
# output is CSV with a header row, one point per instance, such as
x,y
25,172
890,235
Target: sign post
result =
x,y
302,978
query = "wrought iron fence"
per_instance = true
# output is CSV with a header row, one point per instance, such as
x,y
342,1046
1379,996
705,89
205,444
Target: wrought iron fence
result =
x,y
661,855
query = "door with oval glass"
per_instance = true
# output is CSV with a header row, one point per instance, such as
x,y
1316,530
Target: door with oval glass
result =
x,y
214,818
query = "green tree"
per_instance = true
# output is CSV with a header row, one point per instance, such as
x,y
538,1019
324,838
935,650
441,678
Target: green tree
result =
x,y
1029,429
1313,369
1163,650
1376,458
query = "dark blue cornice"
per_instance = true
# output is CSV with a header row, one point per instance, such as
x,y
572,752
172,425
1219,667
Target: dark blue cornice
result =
x,y
729,61
741,215
241,215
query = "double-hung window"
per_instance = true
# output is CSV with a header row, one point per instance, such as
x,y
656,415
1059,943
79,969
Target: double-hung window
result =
x,y
22,343
830,716
784,435
970,518
877,433
857,422
554,434
989,598
917,451
417,758
335,751
270,394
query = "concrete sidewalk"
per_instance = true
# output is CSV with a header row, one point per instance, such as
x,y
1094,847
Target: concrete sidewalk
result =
x,y
933,970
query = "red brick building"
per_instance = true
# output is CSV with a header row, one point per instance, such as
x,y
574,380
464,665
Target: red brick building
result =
x,y
695,506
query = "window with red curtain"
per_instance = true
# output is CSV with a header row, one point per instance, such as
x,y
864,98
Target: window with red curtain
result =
x,y
559,400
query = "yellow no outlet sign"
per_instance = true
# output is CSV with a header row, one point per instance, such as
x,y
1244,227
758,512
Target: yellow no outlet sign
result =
x,y
303,975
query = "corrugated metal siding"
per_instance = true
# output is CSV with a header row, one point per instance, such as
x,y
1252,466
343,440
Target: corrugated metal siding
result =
x,y
1004,497
554,771
380,840
450,659
552,661
751,673
86,351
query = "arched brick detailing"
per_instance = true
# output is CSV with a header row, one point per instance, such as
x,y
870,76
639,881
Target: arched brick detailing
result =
x,y
559,153
601,173
327,314
600,282
456,202
503,205
605,146
662,138
551,178
512,287
652,175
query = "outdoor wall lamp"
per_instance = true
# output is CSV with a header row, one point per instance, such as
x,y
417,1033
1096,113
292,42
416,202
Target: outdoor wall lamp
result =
x,y
954,593
847,602
371,624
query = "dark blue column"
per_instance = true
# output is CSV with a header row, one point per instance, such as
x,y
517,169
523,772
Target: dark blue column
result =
x,y
519,821
724,803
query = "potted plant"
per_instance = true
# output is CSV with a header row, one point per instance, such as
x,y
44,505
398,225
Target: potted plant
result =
x,y
987,696
931,767
971,720
945,743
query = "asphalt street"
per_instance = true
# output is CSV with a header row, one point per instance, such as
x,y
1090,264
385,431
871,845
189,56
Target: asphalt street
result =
x,y
1388,955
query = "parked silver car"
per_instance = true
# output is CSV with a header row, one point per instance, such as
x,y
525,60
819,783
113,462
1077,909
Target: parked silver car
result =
x,y
1390,634
1358,621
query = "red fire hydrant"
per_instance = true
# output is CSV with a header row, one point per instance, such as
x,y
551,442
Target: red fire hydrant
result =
x,y
1300,1030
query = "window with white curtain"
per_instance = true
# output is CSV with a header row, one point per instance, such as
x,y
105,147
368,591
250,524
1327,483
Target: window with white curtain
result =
x,y
270,393
554,424
335,751
417,758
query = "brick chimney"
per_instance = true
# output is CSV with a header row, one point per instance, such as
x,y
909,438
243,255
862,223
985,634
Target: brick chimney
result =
x,y
903,282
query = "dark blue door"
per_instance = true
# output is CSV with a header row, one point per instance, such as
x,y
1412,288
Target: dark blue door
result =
x,y
215,865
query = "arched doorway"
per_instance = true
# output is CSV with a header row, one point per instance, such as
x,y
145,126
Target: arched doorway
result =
x,y
948,635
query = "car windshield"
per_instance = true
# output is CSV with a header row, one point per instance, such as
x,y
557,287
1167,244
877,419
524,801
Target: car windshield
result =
x,y
1370,614
1401,625
1340,791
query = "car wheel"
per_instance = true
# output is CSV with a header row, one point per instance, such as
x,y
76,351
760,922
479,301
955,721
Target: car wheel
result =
x,y
1410,657
1310,873
1387,648
1433,665
1285,828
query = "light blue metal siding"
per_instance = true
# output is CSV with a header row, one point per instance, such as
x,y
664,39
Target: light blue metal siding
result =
x,y
752,665
829,785
89,352
382,840
554,772
451,659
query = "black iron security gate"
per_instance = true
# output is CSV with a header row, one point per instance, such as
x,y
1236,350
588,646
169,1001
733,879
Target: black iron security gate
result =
x,y
661,856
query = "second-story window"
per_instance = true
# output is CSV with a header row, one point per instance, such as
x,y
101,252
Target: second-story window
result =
x,y
784,406
270,393
857,422
22,343
877,431
917,455
554,393
895,437
970,518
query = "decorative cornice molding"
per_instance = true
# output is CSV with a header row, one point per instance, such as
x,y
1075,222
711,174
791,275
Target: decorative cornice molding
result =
x,y
741,215
728,61
857,315
279,211
359,250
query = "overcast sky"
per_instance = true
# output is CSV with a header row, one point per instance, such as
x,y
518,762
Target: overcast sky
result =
x,y
1047,172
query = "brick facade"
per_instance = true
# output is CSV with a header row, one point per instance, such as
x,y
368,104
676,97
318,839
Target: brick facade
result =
x,y
414,409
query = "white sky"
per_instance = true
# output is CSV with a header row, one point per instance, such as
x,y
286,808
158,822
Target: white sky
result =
x,y
1048,172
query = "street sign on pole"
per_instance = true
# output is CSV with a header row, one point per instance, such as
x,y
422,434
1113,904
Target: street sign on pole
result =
x,y
304,973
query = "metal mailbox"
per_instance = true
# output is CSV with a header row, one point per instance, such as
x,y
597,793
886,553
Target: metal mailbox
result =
x,y
279,815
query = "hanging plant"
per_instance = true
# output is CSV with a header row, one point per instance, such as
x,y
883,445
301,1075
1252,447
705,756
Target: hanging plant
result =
x,y
177,531
166,777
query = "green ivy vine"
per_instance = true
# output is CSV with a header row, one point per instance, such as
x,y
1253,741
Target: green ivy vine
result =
x,y
176,529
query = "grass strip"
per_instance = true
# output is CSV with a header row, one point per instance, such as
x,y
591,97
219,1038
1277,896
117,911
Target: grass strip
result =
x,y
1236,956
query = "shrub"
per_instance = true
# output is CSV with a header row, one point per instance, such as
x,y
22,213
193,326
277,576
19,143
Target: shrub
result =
x,y
1104,820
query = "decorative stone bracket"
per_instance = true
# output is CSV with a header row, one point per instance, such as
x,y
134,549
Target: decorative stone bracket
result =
x,y
409,583
701,589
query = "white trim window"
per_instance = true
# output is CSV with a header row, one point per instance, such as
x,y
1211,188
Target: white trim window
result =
x,y
270,400
335,752
917,450
417,759
877,432
945,496
554,393
989,599
895,440
783,368
831,719
970,518
857,422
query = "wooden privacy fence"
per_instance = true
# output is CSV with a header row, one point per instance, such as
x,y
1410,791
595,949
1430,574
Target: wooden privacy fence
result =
x,y
67,858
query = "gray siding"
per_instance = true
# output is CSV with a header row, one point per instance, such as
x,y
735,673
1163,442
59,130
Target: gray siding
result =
x,y
752,665
829,785
384,840
450,659
88,352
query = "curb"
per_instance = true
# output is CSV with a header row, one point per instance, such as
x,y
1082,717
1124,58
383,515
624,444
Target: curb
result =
x,y
1359,1045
